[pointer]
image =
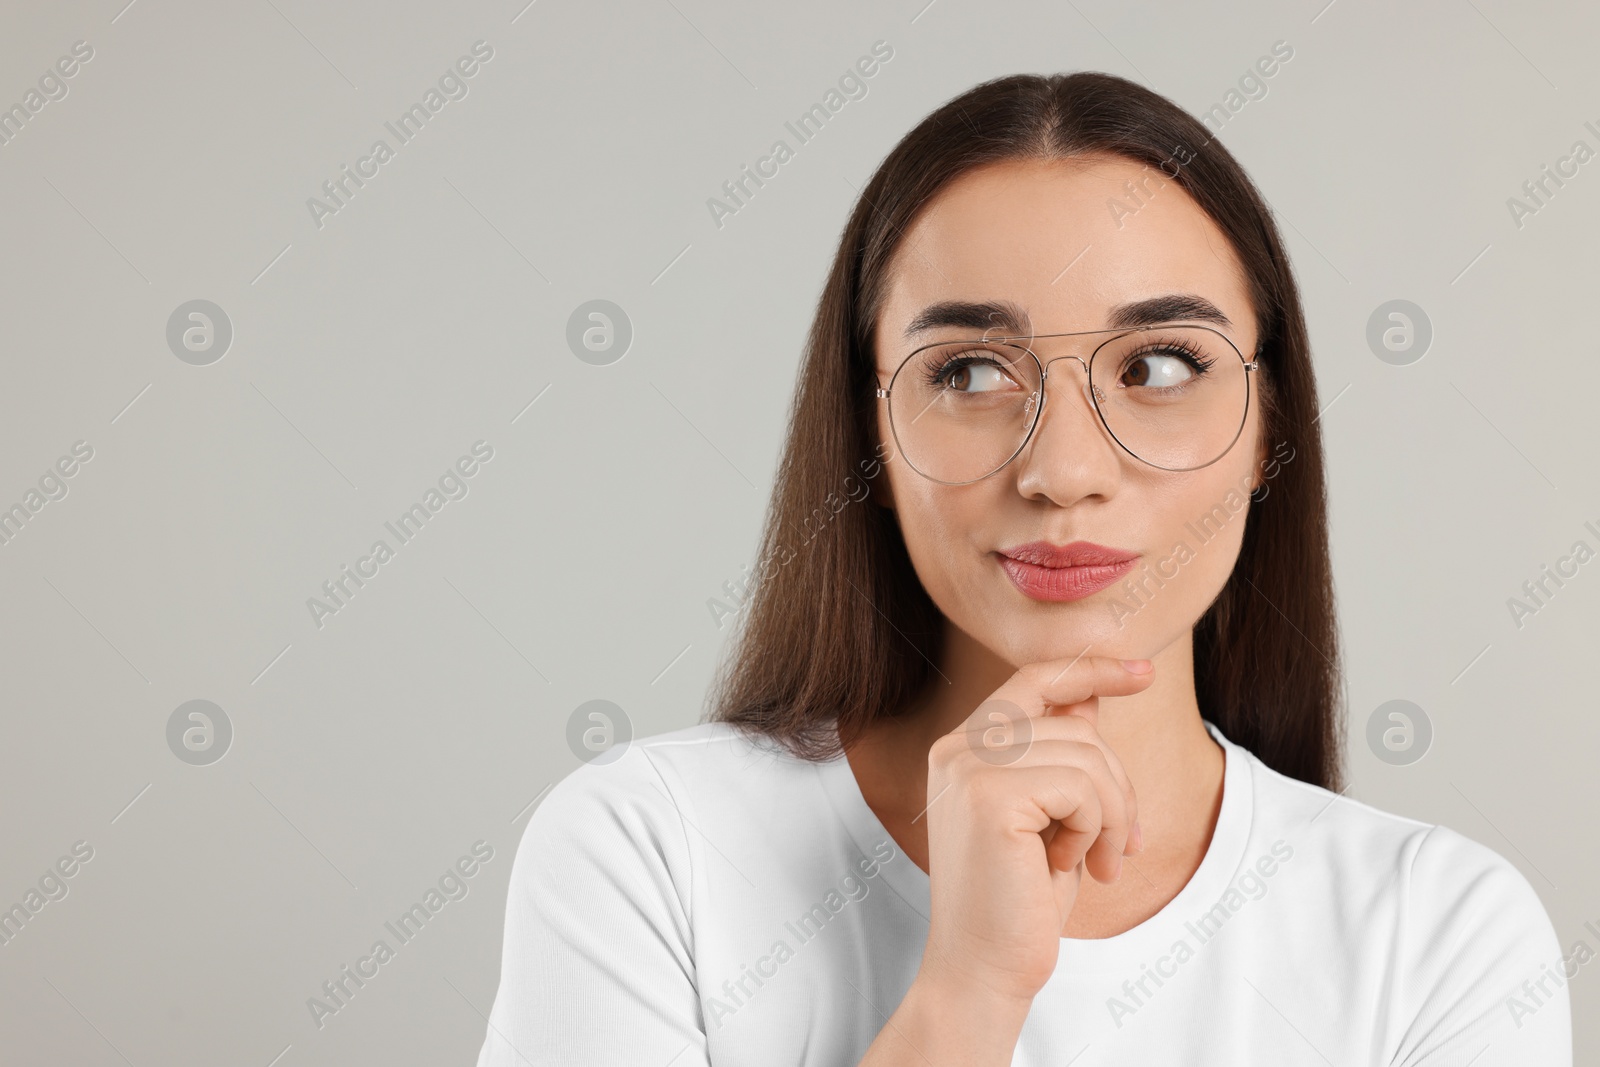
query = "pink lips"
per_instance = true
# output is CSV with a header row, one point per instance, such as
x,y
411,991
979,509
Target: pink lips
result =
x,y
1044,571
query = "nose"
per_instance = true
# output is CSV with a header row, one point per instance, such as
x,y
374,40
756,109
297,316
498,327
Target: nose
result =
x,y
1069,456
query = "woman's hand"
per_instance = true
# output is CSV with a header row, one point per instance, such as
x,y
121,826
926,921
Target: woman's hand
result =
x,y
1022,798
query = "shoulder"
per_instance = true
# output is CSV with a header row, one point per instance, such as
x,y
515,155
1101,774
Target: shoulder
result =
x,y
1457,930
601,915
1440,870
645,801
656,775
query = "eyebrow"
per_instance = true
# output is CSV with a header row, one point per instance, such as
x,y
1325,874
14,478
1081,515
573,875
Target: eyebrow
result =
x,y
1013,318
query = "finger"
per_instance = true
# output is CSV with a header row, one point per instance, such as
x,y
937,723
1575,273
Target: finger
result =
x,y
1077,824
1093,757
1038,688
1074,731
1084,709
1067,850
1104,858
1034,695
1062,683
1094,820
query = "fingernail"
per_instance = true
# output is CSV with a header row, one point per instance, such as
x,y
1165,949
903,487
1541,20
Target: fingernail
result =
x,y
1137,837
1118,873
1136,666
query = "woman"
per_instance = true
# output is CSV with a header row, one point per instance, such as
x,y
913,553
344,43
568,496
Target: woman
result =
x,y
1044,592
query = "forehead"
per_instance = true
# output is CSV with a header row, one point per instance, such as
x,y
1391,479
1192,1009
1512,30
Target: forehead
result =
x,y
1066,240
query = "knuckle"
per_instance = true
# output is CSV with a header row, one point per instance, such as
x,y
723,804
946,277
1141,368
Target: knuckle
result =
x,y
1094,759
1089,802
976,788
962,766
1034,673
944,748
1077,782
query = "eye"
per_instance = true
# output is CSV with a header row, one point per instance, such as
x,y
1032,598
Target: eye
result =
x,y
976,376
967,371
1158,370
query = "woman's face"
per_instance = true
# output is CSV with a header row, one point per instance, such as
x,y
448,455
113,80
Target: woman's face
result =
x,y
1068,243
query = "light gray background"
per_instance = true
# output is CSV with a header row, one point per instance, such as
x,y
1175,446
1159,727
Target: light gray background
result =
x,y
432,310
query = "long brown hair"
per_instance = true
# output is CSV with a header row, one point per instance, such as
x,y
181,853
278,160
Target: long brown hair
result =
x,y
837,630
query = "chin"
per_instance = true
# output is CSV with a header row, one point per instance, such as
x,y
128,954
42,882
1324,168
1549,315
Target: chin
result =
x,y
1093,632
1041,644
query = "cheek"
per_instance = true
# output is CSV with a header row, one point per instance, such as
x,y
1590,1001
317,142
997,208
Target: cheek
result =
x,y
1193,548
941,526
1209,511
925,509
1213,530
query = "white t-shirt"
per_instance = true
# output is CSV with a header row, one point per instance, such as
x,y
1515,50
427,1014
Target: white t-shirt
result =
x,y
705,899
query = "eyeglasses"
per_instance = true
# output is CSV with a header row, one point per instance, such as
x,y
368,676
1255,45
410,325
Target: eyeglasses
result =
x,y
1173,396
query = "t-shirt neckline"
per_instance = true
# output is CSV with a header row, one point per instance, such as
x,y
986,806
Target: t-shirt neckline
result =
x,y
1151,937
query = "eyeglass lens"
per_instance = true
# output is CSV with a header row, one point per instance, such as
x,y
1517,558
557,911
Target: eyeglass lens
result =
x,y
1173,396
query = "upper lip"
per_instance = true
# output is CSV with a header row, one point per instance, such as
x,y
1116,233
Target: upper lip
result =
x,y
1076,554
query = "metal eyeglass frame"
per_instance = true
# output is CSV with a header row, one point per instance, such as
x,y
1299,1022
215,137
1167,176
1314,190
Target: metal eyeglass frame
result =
x,y
1094,397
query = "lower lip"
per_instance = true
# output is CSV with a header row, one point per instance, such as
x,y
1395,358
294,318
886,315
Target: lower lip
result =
x,y
1062,583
